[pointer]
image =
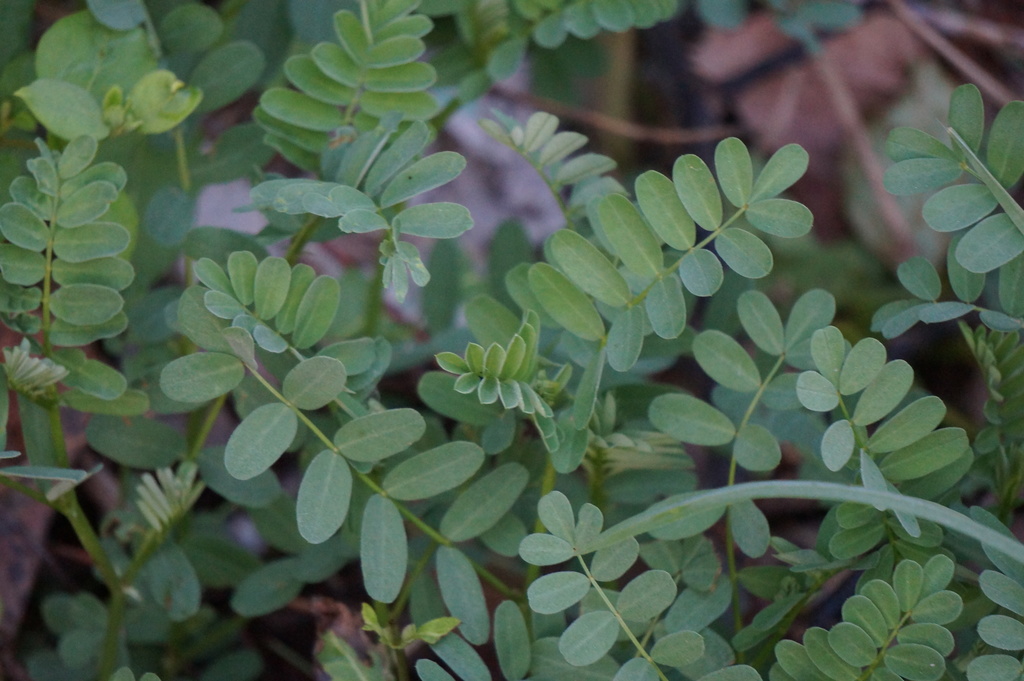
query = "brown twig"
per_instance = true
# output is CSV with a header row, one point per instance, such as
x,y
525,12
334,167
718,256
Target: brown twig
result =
x,y
849,117
975,29
968,68
617,126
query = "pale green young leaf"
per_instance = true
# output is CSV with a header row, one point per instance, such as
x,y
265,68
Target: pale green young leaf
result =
x,y
434,220
958,206
314,382
588,268
862,365
201,376
664,211
678,649
76,157
626,338
726,361
511,641
23,228
919,277
323,498
566,303
629,236
698,191
379,435
750,528
583,166
816,392
270,286
756,449
646,596
761,321
884,393
65,109
484,502
260,440
967,114
539,129
909,425
701,272
557,591
423,175
589,638
691,420
383,549
611,562
785,167
559,146
745,253
462,594
666,307
434,471
86,204
837,445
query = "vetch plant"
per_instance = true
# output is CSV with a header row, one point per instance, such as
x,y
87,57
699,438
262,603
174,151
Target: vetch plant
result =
x,y
532,500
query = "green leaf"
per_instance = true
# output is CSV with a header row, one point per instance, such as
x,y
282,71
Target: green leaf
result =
x,y
299,109
737,672
784,168
1003,591
761,321
991,243
852,644
423,175
586,393
915,662
780,217
967,114
561,299
545,549
909,425
225,73
555,511
698,191
701,272
323,498
904,143
462,594
646,596
816,392
735,171
201,376
270,286
191,27
930,453
611,562
172,582
666,307
260,440
1000,631
626,338
316,311
269,588
678,649
919,277
22,227
828,350
582,167
691,420
91,241
383,549
918,175
629,236
377,436
756,449
557,591
589,638
745,253
664,211
461,658
428,670
434,471
135,442
1005,146
314,382
511,641
884,393
837,445
959,206
994,668
726,361
750,528
863,363
434,220
65,109
588,268
85,304
484,502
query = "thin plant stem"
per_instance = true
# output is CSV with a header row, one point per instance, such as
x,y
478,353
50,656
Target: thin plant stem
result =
x,y
374,301
547,484
181,156
301,238
200,436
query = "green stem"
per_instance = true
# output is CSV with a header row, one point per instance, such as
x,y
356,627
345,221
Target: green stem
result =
x,y
33,494
180,154
374,302
622,623
547,484
199,438
301,238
